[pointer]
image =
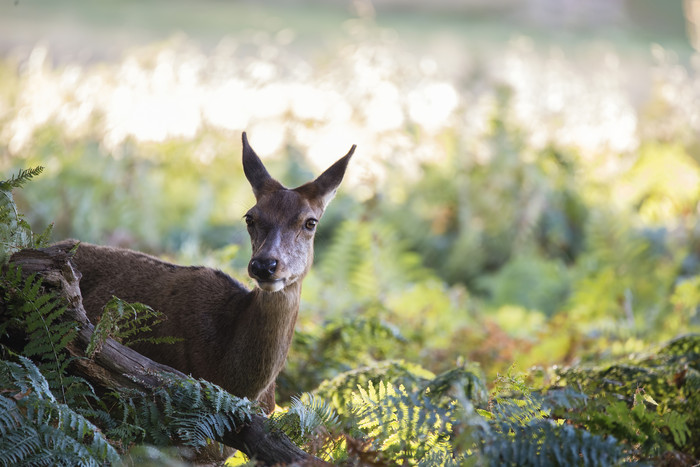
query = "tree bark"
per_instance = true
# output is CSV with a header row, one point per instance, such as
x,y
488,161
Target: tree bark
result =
x,y
116,366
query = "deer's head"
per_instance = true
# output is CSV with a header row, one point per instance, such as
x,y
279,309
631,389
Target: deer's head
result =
x,y
282,224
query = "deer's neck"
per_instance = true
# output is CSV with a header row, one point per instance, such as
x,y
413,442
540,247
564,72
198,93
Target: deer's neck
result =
x,y
276,312
261,339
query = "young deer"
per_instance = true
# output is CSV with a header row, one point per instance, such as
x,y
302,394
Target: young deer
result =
x,y
234,337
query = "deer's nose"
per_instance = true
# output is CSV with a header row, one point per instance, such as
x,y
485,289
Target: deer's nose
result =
x,y
263,268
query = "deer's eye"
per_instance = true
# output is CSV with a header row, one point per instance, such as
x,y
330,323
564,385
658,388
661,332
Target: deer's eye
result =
x,y
310,224
249,220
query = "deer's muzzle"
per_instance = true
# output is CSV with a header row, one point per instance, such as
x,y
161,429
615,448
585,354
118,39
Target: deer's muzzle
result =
x,y
263,271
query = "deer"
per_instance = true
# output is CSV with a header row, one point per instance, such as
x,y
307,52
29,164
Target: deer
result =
x,y
232,336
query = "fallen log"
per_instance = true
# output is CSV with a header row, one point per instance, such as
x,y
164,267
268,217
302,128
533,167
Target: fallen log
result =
x,y
116,367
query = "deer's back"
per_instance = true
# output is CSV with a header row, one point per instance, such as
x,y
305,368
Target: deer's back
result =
x,y
197,302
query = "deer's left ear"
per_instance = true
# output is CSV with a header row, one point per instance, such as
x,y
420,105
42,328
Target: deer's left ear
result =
x,y
326,185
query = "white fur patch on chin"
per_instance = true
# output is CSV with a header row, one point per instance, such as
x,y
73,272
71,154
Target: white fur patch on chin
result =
x,y
274,286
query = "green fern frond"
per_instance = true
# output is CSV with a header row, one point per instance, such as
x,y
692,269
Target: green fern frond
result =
x,y
18,444
22,177
562,399
27,378
406,425
15,232
203,410
339,390
41,313
444,458
122,321
42,240
544,443
513,402
369,257
623,395
48,430
9,414
341,345
142,415
193,411
353,331
306,416
467,381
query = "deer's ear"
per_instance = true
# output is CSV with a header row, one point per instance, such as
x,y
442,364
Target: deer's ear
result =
x,y
328,182
256,173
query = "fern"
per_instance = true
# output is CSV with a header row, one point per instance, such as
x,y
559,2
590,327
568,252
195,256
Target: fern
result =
x,y
195,412
41,315
22,177
339,390
341,345
418,416
526,432
513,402
542,442
405,425
122,321
624,394
142,417
462,381
37,430
370,258
447,421
306,416
642,428
15,232
312,422
201,411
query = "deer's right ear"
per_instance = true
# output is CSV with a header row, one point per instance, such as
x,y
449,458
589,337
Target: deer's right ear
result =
x,y
256,173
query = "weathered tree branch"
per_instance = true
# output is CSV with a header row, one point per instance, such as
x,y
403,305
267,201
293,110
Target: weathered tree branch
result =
x,y
117,366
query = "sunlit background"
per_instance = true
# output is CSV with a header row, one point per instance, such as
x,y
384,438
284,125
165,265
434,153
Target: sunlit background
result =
x,y
525,189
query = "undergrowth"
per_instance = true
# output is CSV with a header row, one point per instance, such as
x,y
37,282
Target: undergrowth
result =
x,y
390,414
365,407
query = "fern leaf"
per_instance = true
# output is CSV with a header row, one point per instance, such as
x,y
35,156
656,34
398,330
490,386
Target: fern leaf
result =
x,y
121,321
406,425
51,433
22,177
29,376
542,443
194,411
41,240
18,445
306,417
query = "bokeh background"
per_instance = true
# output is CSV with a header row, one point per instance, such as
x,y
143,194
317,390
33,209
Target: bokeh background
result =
x,y
524,194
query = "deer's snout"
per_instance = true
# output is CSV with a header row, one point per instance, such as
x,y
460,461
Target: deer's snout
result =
x,y
262,269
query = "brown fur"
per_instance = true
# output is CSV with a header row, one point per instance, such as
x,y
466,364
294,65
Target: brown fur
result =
x,y
234,337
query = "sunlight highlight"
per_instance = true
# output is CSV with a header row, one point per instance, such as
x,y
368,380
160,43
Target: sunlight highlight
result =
x,y
394,105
